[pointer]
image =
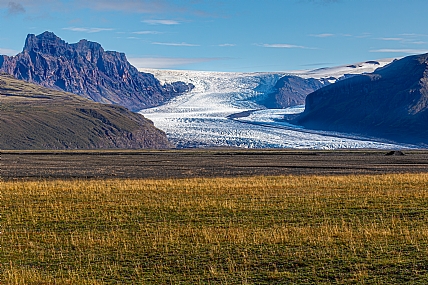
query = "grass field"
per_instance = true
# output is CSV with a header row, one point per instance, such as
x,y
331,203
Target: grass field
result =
x,y
355,229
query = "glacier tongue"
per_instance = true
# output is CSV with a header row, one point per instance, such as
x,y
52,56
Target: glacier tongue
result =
x,y
201,118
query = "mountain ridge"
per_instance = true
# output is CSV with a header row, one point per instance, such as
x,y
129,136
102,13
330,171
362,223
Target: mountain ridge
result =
x,y
391,103
86,69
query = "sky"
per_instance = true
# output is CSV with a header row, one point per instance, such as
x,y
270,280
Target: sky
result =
x,y
230,35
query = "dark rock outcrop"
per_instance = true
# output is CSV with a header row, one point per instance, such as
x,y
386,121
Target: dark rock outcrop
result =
x,y
84,68
390,103
34,117
292,91
395,153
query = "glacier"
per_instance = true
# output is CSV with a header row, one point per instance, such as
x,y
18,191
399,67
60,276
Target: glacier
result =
x,y
222,111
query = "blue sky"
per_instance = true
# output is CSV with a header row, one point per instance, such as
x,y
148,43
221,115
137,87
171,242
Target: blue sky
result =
x,y
232,35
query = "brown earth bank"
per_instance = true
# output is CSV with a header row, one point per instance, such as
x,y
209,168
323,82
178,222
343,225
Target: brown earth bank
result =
x,y
205,163
36,118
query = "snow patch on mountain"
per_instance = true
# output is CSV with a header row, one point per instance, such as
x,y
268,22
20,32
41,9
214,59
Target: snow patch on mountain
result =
x,y
338,72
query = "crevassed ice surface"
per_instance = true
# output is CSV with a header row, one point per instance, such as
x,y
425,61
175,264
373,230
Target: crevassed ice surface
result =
x,y
200,117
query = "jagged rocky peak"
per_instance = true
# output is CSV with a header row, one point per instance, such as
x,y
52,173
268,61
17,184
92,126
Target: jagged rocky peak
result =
x,y
45,43
86,69
88,45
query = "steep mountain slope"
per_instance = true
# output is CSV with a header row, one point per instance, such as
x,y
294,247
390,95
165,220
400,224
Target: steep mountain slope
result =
x,y
34,117
291,91
391,103
84,68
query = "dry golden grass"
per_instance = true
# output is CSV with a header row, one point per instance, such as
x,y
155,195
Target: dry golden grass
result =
x,y
257,230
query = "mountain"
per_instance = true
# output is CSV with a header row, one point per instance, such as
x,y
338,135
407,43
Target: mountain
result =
x,y
86,69
390,103
291,90
34,117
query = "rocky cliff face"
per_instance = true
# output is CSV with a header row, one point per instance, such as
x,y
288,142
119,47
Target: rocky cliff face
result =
x,y
390,103
292,90
86,69
34,117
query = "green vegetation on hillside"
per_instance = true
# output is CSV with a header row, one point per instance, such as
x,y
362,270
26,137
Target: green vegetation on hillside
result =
x,y
260,230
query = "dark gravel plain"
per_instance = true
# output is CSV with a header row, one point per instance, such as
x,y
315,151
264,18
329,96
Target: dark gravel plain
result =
x,y
205,163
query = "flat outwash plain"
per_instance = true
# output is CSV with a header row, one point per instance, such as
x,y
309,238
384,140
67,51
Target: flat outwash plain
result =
x,y
205,163
214,217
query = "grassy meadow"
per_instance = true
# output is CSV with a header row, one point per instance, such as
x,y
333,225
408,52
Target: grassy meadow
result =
x,y
365,229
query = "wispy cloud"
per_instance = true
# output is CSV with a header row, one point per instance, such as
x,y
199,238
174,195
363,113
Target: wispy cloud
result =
x,y
391,39
127,6
227,45
161,22
363,35
289,46
322,35
88,30
134,6
407,51
155,7
147,33
406,39
145,6
413,35
7,51
168,62
417,42
15,8
175,44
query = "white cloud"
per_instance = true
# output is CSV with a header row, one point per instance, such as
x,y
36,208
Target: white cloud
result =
x,y
161,22
88,30
147,33
418,43
283,46
175,44
408,51
226,45
7,51
167,62
406,39
322,35
391,39
414,35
